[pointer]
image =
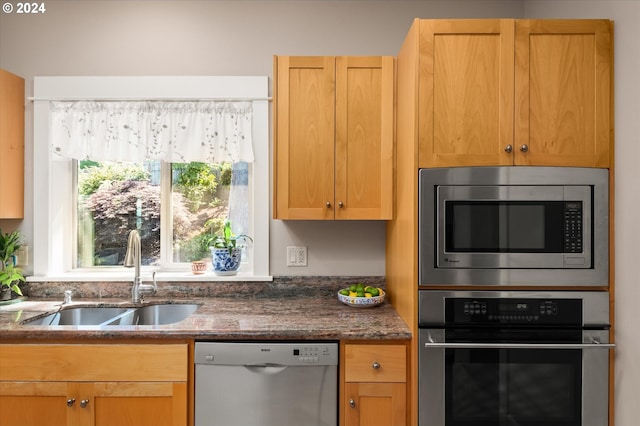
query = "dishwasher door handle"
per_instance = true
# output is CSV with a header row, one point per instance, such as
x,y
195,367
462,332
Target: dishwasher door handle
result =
x,y
267,368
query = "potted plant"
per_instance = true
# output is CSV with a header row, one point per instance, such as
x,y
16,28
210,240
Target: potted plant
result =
x,y
10,275
225,255
196,251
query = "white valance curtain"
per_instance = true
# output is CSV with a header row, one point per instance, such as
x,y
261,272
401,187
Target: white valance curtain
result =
x,y
173,131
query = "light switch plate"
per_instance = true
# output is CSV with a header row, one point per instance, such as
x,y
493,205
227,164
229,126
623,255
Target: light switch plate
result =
x,y
296,256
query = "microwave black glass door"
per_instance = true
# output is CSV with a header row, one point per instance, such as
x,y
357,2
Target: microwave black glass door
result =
x,y
507,226
513,387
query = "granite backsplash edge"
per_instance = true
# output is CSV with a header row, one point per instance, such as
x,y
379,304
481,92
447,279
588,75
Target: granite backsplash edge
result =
x,y
280,287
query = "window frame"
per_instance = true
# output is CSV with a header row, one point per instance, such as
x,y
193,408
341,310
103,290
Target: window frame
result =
x,y
54,225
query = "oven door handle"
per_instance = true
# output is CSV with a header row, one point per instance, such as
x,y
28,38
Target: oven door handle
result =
x,y
594,345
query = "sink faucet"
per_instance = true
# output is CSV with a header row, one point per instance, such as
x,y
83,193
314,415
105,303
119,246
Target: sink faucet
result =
x,y
133,259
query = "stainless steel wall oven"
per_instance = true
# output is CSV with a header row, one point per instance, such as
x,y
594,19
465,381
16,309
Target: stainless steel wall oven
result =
x,y
498,358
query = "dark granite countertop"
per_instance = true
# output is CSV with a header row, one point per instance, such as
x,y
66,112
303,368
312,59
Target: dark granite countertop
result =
x,y
279,315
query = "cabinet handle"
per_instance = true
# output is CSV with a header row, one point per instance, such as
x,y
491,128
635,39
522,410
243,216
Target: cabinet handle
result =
x,y
340,204
508,149
524,148
328,204
70,402
375,365
84,403
352,403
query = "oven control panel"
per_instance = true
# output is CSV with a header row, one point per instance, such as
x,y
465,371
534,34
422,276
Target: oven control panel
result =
x,y
513,311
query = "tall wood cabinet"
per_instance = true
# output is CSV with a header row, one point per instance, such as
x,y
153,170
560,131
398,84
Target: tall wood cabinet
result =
x,y
94,385
515,92
333,137
469,89
11,146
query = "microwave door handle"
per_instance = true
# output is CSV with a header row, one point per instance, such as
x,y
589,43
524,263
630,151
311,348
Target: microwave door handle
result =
x,y
432,345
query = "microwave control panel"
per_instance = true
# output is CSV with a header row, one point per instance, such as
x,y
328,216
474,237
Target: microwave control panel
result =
x,y
573,227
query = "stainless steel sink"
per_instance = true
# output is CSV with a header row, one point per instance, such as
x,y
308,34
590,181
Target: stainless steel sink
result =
x,y
162,314
94,315
113,316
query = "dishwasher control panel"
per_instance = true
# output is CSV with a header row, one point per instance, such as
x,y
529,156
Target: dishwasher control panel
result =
x,y
266,354
311,354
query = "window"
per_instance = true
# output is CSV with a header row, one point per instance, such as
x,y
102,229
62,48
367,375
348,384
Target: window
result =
x,y
175,205
114,197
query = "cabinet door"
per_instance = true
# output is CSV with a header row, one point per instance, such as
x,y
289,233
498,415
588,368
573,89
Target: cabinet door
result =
x,y
364,137
375,404
466,92
34,404
12,146
304,111
563,92
140,403
99,404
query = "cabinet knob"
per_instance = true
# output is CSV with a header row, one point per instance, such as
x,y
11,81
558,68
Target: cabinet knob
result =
x,y
340,204
352,403
70,402
328,204
524,148
508,149
84,403
375,365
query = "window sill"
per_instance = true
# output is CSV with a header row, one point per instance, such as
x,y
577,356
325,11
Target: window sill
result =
x,y
146,276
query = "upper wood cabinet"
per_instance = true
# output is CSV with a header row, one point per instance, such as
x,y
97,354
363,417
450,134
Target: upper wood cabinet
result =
x,y
11,146
333,137
563,86
465,92
515,92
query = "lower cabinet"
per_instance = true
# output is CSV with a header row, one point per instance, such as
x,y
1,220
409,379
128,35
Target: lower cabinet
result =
x,y
375,389
73,385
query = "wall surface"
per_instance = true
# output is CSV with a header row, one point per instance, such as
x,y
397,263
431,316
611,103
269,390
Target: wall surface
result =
x,y
155,37
221,37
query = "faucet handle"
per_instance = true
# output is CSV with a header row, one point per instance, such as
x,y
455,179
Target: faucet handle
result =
x,y
149,289
153,282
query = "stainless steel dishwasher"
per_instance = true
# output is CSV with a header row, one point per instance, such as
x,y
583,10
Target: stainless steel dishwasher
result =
x,y
266,384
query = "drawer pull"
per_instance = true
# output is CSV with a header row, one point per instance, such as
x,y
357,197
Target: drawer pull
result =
x,y
84,403
352,403
375,365
70,402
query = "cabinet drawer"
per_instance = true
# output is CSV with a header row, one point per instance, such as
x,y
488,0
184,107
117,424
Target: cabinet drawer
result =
x,y
375,363
115,362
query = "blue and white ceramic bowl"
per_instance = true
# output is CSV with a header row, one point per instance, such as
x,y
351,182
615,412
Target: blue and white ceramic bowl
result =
x,y
225,263
362,302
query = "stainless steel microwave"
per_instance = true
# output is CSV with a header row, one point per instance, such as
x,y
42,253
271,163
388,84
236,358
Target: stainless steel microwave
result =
x,y
514,226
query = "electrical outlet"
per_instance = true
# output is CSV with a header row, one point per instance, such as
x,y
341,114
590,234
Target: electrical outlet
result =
x,y
22,255
296,256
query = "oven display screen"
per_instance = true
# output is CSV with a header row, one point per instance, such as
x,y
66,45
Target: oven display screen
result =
x,y
513,307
